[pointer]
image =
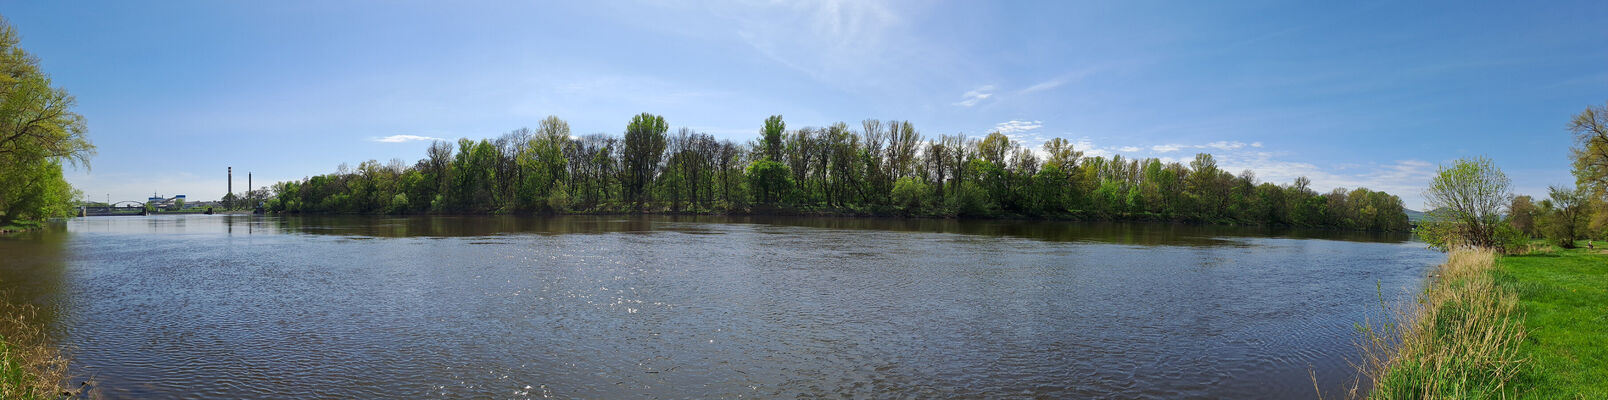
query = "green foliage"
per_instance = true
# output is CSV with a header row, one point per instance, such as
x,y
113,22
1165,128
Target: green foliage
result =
x,y
1564,216
1466,201
558,199
911,194
1522,214
1590,150
1050,189
772,135
970,201
644,148
769,181
38,133
883,169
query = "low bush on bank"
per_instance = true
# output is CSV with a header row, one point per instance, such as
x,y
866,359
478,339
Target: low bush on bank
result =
x,y
1461,339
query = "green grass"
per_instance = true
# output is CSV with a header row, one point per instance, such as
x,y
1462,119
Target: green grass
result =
x,y
30,367
1460,340
1563,300
21,225
14,379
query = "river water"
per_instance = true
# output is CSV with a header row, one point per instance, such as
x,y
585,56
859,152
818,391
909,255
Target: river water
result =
x,y
258,307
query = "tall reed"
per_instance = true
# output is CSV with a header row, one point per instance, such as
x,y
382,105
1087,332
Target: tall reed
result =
x,y
30,367
1459,340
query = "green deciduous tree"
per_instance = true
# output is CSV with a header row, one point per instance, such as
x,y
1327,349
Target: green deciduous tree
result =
x,y
39,133
1590,154
1564,215
1522,214
1466,201
886,168
644,149
769,181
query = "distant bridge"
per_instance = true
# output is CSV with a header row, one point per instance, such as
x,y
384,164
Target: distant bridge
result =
x,y
128,207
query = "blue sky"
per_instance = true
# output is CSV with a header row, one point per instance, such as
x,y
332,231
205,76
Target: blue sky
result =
x,y
1346,93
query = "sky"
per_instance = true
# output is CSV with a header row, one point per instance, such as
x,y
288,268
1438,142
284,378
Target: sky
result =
x,y
1348,94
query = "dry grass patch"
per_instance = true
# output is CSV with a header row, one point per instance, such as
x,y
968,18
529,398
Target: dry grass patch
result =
x,y
30,367
1459,340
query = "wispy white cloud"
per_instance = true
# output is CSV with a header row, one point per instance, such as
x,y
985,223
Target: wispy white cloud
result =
x,y
974,96
1219,145
836,42
1166,148
1046,85
1014,126
404,139
1057,81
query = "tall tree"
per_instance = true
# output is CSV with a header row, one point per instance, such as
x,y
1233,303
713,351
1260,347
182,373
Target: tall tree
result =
x,y
1466,201
38,133
1590,153
772,136
1565,220
644,149
1521,214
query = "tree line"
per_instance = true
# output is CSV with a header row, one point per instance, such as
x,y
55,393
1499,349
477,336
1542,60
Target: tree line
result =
x,y
877,168
39,133
1472,203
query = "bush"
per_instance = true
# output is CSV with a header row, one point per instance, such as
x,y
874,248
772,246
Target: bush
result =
x,y
910,194
399,204
559,199
970,201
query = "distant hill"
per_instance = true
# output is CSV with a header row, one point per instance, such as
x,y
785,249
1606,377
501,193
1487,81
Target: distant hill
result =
x,y
1414,216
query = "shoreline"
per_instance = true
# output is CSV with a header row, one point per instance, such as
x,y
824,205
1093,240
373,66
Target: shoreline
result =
x,y
1496,326
1069,217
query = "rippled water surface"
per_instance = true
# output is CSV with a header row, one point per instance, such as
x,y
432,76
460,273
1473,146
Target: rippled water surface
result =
x,y
662,307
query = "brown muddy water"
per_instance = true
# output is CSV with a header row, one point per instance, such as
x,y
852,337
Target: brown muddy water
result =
x,y
256,307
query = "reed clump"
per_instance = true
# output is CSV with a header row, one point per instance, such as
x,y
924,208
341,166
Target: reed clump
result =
x,y
1459,340
30,367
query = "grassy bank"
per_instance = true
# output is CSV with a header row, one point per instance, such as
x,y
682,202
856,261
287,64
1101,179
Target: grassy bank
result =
x,y
1461,339
1532,326
21,226
30,368
1563,302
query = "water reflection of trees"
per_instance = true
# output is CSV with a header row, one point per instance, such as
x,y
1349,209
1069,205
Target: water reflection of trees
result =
x,y
1107,232
35,271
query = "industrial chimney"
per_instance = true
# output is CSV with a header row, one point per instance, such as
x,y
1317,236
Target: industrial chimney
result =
x,y
227,196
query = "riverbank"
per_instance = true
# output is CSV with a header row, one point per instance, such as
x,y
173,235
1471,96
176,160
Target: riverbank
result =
x,y
21,226
1488,326
1563,303
30,367
892,213
1460,339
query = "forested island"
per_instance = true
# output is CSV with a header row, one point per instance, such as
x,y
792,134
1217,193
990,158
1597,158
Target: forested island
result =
x,y
884,168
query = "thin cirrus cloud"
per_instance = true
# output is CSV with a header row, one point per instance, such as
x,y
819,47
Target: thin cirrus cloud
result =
x,y
974,96
1014,126
1046,85
1057,81
1219,145
404,139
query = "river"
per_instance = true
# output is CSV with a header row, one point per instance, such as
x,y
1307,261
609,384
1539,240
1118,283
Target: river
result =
x,y
264,307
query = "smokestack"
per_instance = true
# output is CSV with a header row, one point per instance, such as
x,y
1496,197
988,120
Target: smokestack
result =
x,y
231,182
248,184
